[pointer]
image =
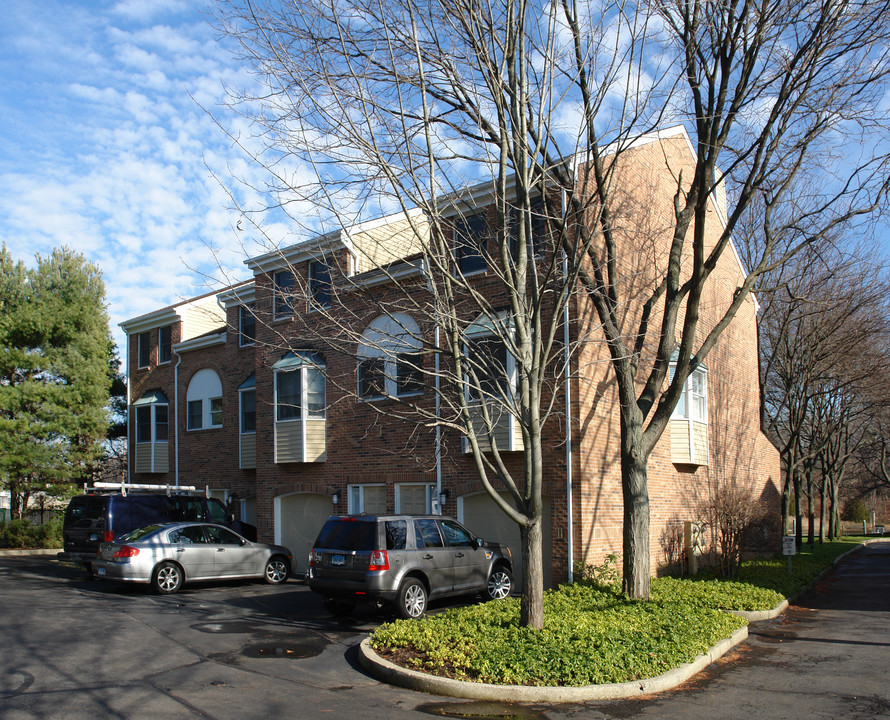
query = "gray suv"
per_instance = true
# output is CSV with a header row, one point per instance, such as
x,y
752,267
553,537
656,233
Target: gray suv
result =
x,y
404,560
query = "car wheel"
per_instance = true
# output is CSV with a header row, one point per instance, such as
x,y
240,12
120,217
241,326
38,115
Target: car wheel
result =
x,y
499,585
276,571
411,602
167,578
337,607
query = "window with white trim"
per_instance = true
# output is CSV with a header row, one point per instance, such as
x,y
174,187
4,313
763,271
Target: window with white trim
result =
x,y
320,284
370,499
414,498
246,325
693,402
470,240
390,363
165,344
539,227
143,349
283,290
299,387
151,417
689,420
204,401
247,411
491,368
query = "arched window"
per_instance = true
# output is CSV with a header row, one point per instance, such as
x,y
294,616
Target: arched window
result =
x,y
389,359
204,401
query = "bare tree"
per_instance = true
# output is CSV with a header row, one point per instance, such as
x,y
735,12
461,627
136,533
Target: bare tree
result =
x,y
368,106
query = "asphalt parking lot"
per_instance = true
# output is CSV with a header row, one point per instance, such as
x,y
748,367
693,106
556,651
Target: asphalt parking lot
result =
x,y
74,648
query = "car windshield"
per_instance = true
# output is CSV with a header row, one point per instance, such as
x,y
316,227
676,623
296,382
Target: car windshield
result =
x,y
347,535
140,533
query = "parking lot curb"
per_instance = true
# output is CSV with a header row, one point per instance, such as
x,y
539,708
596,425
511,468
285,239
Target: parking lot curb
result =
x,y
760,615
403,677
16,552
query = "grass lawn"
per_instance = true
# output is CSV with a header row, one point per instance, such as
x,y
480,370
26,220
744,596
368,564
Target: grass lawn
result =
x,y
594,635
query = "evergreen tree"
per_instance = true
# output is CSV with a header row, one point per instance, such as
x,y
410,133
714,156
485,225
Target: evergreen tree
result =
x,y
55,373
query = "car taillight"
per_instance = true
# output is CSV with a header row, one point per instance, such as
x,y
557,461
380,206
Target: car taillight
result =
x,y
108,536
379,560
125,552
312,558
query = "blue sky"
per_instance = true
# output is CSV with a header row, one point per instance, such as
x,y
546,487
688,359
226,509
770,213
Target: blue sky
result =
x,y
105,147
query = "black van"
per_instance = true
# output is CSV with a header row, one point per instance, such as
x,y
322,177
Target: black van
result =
x,y
94,518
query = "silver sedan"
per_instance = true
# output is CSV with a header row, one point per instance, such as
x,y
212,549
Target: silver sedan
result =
x,y
166,556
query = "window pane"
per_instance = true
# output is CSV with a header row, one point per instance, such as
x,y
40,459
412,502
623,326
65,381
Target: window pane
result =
x,y
374,499
320,283
315,392
396,533
216,412
248,411
540,229
160,423
284,293
195,415
409,374
487,357
165,344
221,536
470,235
247,325
288,387
371,380
143,424
426,533
143,341
455,534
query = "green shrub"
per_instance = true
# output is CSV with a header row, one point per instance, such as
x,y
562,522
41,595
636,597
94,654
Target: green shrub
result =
x,y
21,533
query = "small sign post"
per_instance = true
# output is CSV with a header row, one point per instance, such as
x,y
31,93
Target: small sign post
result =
x,y
789,548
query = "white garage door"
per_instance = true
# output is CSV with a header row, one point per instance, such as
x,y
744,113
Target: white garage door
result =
x,y
298,518
481,515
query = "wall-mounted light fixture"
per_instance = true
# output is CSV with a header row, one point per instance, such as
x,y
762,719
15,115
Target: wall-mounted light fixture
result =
x,y
335,497
443,496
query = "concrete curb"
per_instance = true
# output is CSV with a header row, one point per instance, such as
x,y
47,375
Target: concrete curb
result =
x,y
396,675
761,615
18,552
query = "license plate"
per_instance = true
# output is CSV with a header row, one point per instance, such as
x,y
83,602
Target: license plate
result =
x,y
338,559
100,571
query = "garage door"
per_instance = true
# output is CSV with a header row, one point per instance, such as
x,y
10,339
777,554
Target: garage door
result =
x,y
481,515
298,518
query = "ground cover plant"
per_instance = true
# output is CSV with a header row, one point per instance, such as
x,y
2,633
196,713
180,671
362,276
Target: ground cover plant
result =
x,y
592,633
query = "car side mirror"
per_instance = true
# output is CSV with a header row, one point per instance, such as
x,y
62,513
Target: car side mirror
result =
x,y
479,542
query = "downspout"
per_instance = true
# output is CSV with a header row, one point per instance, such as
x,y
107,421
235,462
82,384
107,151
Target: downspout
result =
x,y
568,400
438,399
438,429
129,399
176,414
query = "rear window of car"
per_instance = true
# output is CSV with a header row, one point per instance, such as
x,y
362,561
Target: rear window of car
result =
x,y
86,508
347,535
140,533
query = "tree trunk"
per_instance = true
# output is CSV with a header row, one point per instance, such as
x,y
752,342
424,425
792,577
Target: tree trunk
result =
x,y
531,612
634,486
811,512
798,530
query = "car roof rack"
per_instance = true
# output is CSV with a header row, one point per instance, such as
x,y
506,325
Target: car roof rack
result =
x,y
125,488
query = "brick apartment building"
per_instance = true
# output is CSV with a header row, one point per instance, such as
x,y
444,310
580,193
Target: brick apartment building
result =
x,y
230,391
